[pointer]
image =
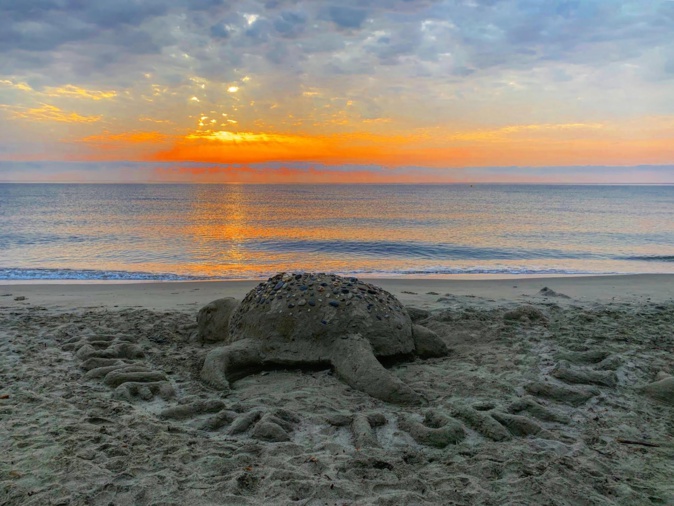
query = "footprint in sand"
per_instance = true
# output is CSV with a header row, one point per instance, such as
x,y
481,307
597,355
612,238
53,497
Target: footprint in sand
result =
x,y
117,361
578,377
275,425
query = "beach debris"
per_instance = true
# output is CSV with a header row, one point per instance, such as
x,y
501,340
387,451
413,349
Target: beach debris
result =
x,y
348,329
637,442
549,292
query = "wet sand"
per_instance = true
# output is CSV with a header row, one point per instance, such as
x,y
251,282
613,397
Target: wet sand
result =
x,y
558,396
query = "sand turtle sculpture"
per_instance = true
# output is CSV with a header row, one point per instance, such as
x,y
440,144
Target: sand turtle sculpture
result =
x,y
313,320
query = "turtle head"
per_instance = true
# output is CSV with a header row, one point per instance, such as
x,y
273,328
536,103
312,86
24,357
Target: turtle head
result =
x,y
213,320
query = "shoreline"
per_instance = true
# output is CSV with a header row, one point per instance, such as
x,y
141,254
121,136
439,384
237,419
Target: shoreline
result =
x,y
369,276
168,295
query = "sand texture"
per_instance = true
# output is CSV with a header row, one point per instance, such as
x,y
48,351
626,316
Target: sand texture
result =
x,y
543,399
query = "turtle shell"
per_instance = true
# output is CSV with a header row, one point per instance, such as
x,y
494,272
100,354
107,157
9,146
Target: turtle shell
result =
x,y
319,307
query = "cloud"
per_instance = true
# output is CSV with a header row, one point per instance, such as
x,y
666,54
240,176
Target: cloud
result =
x,y
17,86
122,12
462,37
473,67
111,140
70,90
506,133
47,112
346,17
220,31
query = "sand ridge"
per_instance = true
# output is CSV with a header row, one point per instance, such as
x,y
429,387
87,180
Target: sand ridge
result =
x,y
540,402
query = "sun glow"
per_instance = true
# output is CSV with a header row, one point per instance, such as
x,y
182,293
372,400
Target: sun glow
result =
x,y
246,137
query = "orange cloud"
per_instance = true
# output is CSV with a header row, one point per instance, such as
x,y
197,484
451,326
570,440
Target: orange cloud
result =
x,y
508,133
48,112
69,90
17,86
107,138
530,144
73,91
249,147
533,145
133,145
153,120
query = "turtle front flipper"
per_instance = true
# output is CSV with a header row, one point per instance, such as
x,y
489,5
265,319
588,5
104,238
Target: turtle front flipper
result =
x,y
356,365
230,363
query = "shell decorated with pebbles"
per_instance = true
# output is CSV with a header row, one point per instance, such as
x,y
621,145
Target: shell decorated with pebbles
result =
x,y
319,306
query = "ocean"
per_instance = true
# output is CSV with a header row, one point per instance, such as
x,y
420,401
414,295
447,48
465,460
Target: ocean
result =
x,y
182,232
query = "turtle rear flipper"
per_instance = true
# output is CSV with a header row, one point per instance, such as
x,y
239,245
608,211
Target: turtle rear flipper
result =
x,y
357,366
427,344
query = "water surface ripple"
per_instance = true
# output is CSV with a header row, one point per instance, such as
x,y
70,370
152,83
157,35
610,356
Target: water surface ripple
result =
x,y
173,232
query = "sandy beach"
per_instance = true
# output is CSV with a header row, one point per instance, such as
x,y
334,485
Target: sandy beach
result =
x,y
560,389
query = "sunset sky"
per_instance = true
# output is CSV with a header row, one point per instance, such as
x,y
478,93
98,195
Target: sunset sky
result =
x,y
344,91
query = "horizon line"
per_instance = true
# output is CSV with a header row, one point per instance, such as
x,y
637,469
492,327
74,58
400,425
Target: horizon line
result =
x,y
425,183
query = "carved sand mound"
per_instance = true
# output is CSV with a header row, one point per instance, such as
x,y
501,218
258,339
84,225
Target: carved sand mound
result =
x,y
308,320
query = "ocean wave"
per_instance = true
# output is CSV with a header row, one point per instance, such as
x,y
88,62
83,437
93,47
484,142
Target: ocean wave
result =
x,y
91,274
45,274
651,258
419,250
505,271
